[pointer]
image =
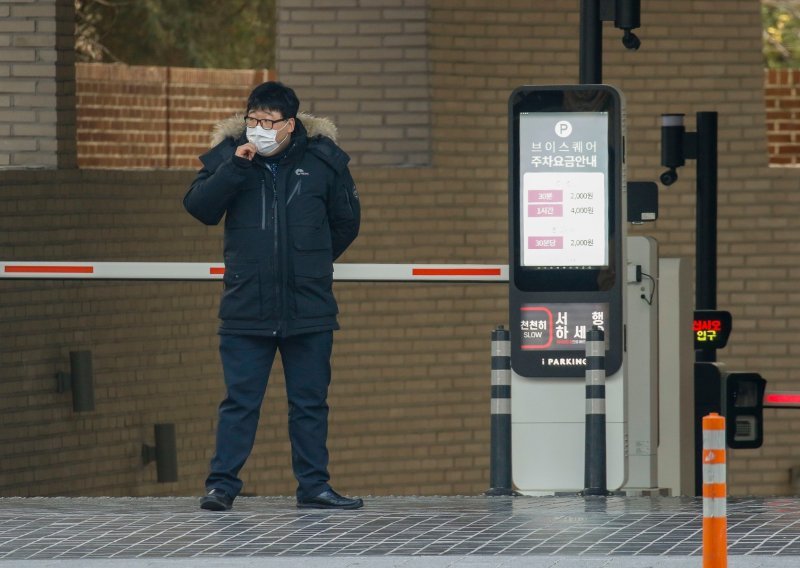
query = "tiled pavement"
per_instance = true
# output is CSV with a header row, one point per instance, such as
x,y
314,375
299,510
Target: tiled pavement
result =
x,y
561,532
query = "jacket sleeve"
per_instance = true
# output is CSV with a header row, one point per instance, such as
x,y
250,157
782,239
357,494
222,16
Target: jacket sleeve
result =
x,y
215,185
344,212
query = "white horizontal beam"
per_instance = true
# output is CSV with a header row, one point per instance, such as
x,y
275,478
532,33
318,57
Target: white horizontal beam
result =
x,y
348,272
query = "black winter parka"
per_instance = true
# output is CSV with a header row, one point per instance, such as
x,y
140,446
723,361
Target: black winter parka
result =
x,y
282,232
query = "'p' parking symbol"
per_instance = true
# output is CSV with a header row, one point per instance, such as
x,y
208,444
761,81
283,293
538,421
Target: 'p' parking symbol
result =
x,y
563,128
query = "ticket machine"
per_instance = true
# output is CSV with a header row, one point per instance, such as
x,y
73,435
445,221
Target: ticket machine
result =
x,y
567,274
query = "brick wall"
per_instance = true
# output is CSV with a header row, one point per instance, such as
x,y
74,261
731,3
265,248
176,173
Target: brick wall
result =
x,y
782,88
363,63
154,117
159,117
410,397
36,72
410,394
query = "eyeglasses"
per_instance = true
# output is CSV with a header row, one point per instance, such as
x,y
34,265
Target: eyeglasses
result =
x,y
266,123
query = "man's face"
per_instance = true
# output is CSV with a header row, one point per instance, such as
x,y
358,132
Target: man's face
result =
x,y
272,120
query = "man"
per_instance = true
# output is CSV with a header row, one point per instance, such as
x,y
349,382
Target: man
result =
x,y
291,208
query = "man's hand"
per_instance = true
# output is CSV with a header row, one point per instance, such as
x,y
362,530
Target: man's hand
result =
x,y
247,151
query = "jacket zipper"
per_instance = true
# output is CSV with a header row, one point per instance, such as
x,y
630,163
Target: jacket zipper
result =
x,y
275,216
277,272
263,206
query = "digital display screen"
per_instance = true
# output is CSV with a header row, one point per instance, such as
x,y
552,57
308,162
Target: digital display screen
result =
x,y
564,194
560,327
566,226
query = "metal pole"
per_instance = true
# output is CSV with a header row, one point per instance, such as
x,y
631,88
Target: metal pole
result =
x,y
706,219
595,456
500,453
703,148
591,44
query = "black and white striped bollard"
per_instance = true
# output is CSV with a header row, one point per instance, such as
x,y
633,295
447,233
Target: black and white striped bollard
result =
x,y
500,456
595,462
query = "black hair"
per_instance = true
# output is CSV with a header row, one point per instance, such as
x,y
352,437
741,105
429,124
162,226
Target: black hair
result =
x,y
274,96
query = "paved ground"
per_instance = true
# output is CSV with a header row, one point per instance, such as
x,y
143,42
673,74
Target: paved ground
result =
x,y
541,532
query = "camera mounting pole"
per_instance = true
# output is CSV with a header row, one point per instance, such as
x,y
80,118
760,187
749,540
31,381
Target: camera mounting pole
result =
x,y
626,16
677,146
591,46
706,219
642,195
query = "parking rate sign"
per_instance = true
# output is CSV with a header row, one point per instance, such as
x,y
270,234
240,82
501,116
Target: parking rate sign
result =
x,y
564,193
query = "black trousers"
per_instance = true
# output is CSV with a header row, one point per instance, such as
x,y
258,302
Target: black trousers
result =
x,y
246,363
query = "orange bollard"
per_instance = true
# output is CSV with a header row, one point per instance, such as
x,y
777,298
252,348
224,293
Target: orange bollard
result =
x,y
715,489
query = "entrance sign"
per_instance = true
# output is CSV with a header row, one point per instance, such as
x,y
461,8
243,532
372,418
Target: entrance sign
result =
x,y
711,328
566,228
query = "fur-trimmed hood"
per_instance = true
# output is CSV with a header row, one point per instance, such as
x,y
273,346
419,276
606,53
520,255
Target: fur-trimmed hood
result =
x,y
234,127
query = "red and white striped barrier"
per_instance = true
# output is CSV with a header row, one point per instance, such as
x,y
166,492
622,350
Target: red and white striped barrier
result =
x,y
351,272
715,491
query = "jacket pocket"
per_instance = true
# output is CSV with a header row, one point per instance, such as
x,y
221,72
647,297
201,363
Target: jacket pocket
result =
x,y
246,211
241,295
313,274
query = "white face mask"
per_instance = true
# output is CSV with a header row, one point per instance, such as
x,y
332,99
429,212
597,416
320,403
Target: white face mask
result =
x,y
264,140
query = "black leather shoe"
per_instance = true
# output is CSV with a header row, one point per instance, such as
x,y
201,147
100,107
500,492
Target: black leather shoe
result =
x,y
329,499
216,500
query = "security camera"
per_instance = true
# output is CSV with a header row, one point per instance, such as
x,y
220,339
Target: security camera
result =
x,y
669,177
672,147
627,18
630,40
